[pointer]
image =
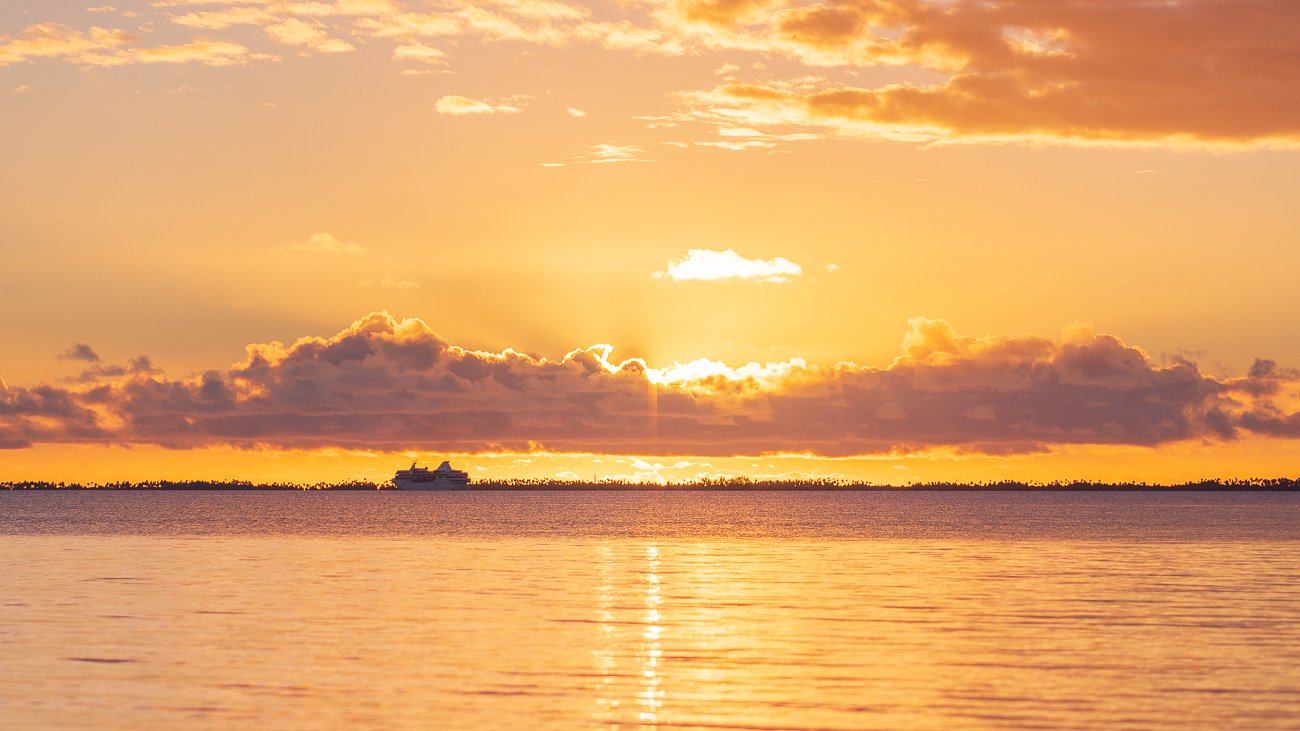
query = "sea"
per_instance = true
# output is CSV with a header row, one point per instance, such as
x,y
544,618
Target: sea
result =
x,y
646,610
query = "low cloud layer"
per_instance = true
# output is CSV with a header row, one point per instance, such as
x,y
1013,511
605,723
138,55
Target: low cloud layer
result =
x,y
386,384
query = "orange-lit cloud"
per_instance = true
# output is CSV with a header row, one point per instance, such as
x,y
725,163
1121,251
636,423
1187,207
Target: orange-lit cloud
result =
x,y
710,265
604,153
55,40
1205,72
211,53
295,32
225,17
1210,72
459,106
420,52
390,385
107,47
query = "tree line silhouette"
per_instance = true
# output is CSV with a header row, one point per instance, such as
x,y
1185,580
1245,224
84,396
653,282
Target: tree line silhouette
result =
x,y
718,484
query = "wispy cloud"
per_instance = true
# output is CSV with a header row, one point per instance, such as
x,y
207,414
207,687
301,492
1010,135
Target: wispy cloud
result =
x,y
420,52
107,47
458,106
1014,71
225,18
55,40
608,152
712,265
603,154
320,243
388,281
295,32
1218,72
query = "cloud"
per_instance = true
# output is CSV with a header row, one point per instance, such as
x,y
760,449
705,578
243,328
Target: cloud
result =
x,y
607,152
388,281
737,139
54,40
210,53
460,106
80,351
320,243
419,52
391,385
575,112
295,32
711,265
1209,72
108,47
225,18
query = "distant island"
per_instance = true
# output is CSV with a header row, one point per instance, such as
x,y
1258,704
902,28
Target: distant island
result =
x,y
734,484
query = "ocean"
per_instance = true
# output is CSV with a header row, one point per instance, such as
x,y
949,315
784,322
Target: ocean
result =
x,y
562,610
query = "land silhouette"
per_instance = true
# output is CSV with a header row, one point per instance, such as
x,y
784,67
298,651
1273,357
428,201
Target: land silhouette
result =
x,y
728,484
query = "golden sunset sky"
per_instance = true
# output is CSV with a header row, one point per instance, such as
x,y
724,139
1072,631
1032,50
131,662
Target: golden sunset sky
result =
x,y
891,240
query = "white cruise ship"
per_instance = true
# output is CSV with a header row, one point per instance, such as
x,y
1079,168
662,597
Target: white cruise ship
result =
x,y
423,478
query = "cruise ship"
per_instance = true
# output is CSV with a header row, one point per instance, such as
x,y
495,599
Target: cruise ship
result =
x,y
423,478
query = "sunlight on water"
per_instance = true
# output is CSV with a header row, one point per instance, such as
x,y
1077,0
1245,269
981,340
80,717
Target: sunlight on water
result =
x,y
170,612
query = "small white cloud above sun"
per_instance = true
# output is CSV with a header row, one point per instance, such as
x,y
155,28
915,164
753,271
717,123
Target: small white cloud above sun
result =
x,y
712,265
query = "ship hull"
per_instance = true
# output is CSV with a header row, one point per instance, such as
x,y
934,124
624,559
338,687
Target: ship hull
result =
x,y
431,486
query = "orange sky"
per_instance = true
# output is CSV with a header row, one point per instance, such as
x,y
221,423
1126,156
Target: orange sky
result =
x,y
953,240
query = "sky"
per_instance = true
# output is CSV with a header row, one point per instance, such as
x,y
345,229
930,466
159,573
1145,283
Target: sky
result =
x,y
883,240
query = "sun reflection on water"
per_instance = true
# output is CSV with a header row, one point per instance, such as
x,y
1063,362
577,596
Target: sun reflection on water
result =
x,y
628,657
603,654
651,697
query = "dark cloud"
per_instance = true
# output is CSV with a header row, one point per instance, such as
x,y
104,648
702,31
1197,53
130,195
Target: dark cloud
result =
x,y
394,385
1218,71
80,351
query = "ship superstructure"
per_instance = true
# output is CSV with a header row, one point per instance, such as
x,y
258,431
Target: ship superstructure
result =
x,y
423,478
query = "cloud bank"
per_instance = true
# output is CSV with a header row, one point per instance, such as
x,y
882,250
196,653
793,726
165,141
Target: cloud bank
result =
x,y
388,384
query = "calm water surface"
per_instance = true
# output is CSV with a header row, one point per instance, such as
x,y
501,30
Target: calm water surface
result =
x,y
647,610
